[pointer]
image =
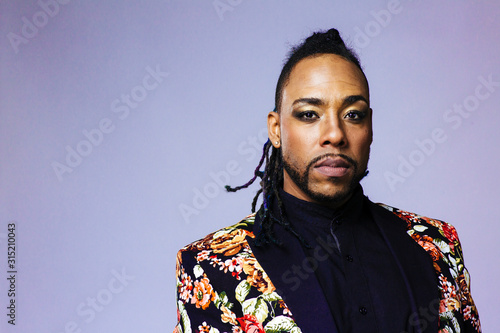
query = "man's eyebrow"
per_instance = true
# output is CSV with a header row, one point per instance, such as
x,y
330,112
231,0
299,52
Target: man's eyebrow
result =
x,y
319,102
353,99
309,100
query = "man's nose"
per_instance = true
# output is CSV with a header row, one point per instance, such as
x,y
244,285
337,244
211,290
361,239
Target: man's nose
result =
x,y
332,133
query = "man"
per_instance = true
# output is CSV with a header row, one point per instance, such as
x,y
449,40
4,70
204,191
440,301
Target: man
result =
x,y
318,256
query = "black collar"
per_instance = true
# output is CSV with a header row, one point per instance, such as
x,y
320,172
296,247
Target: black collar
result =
x,y
300,212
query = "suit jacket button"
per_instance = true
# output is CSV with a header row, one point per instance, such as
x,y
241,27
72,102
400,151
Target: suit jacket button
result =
x,y
363,310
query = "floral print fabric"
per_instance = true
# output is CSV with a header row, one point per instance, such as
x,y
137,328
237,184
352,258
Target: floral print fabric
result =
x,y
457,311
221,286
244,299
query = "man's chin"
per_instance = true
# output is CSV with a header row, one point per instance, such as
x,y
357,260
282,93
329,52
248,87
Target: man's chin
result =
x,y
335,196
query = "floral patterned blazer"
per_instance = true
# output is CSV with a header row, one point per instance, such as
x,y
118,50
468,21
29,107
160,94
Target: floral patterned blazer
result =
x,y
223,287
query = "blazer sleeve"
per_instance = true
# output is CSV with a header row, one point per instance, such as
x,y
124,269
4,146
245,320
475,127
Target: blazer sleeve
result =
x,y
468,308
200,307
221,287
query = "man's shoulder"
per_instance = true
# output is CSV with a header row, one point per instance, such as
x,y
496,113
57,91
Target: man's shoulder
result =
x,y
421,224
440,240
226,239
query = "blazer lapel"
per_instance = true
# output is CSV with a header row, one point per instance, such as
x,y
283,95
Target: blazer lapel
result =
x,y
300,290
415,266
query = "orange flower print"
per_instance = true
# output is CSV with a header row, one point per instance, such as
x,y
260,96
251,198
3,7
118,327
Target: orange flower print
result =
x,y
464,287
449,300
228,316
435,223
286,310
203,293
229,244
428,246
202,244
256,276
203,255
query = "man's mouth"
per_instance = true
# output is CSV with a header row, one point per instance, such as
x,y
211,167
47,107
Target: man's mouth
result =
x,y
333,167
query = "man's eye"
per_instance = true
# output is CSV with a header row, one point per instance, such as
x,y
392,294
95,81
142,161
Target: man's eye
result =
x,y
307,115
355,115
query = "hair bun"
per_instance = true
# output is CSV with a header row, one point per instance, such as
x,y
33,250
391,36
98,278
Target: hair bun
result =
x,y
333,35
329,36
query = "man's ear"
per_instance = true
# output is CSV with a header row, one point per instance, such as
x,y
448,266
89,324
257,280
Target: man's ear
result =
x,y
273,128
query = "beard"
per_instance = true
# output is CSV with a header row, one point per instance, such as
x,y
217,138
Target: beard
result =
x,y
301,179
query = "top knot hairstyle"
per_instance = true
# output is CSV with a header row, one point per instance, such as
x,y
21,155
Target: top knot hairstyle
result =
x,y
322,42
318,43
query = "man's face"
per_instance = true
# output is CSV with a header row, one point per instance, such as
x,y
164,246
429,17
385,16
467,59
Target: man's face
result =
x,y
324,129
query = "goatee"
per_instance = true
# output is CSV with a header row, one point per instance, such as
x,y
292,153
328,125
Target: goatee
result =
x,y
329,199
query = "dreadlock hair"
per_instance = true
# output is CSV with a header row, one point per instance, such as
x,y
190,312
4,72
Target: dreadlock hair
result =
x,y
321,42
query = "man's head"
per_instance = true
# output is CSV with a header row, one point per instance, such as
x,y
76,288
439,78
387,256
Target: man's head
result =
x,y
322,126
320,132
320,42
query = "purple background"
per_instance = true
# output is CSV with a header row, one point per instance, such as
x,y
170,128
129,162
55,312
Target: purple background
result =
x,y
119,209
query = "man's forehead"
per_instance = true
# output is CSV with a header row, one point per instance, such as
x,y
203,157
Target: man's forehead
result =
x,y
323,76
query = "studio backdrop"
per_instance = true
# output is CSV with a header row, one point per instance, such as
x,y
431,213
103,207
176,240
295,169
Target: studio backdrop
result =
x,y
121,122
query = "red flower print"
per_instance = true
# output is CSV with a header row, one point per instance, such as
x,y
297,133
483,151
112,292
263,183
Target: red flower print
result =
x,y
185,288
250,324
467,312
234,265
426,243
450,232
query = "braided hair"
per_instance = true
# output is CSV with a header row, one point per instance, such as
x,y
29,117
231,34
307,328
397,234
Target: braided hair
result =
x,y
321,42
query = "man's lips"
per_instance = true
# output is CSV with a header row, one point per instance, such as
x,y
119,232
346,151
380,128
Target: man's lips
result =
x,y
333,167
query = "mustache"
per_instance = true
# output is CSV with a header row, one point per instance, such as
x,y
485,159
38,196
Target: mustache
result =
x,y
343,156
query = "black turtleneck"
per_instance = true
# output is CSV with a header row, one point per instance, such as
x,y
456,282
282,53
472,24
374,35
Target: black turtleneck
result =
x,y
352,263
